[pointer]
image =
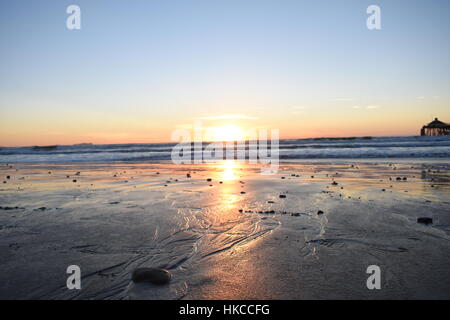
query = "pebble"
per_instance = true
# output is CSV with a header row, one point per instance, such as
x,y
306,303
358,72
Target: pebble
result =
x,y
151,275
425,220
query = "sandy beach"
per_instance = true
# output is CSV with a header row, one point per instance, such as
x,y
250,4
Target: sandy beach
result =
x,y
232,237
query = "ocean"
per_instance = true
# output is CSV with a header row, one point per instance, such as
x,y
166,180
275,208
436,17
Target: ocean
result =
x,y
318,148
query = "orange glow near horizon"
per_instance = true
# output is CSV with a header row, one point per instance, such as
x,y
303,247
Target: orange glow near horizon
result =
x,y
315,124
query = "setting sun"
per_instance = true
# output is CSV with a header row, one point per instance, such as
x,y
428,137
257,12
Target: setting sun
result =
x,y
227,133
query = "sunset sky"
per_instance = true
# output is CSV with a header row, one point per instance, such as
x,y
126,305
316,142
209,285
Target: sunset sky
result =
x,y
138,70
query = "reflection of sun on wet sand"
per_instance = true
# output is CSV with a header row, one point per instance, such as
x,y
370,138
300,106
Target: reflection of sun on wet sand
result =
x,y
225,231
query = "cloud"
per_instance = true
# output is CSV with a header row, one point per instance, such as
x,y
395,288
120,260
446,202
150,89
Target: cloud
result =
x,y
366,107
229,117
343,99
299,107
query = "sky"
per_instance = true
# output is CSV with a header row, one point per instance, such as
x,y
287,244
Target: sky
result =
x,y
138,70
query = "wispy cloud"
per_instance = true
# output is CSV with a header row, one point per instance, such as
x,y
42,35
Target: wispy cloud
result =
x,y
229,117
366,107
343,99
298,109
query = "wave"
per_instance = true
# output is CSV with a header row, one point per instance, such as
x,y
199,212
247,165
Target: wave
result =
x,y
318,148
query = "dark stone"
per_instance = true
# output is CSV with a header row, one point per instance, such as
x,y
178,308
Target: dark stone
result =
x,y
319,212
9,208
8,177
151,275
242,192
334,183
282,196
209,179
74,180
425,220
188,175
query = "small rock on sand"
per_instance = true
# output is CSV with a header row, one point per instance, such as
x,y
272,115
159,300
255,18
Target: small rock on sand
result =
x,y
425,220
151,275
282,196
319,212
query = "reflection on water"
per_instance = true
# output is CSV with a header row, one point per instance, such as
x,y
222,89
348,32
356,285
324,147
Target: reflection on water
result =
x,y
228,192
229,170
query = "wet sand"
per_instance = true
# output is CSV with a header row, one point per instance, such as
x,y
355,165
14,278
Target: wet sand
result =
x,y
233,237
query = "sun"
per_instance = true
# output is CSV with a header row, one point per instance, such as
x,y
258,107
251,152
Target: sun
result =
x,y
227,133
